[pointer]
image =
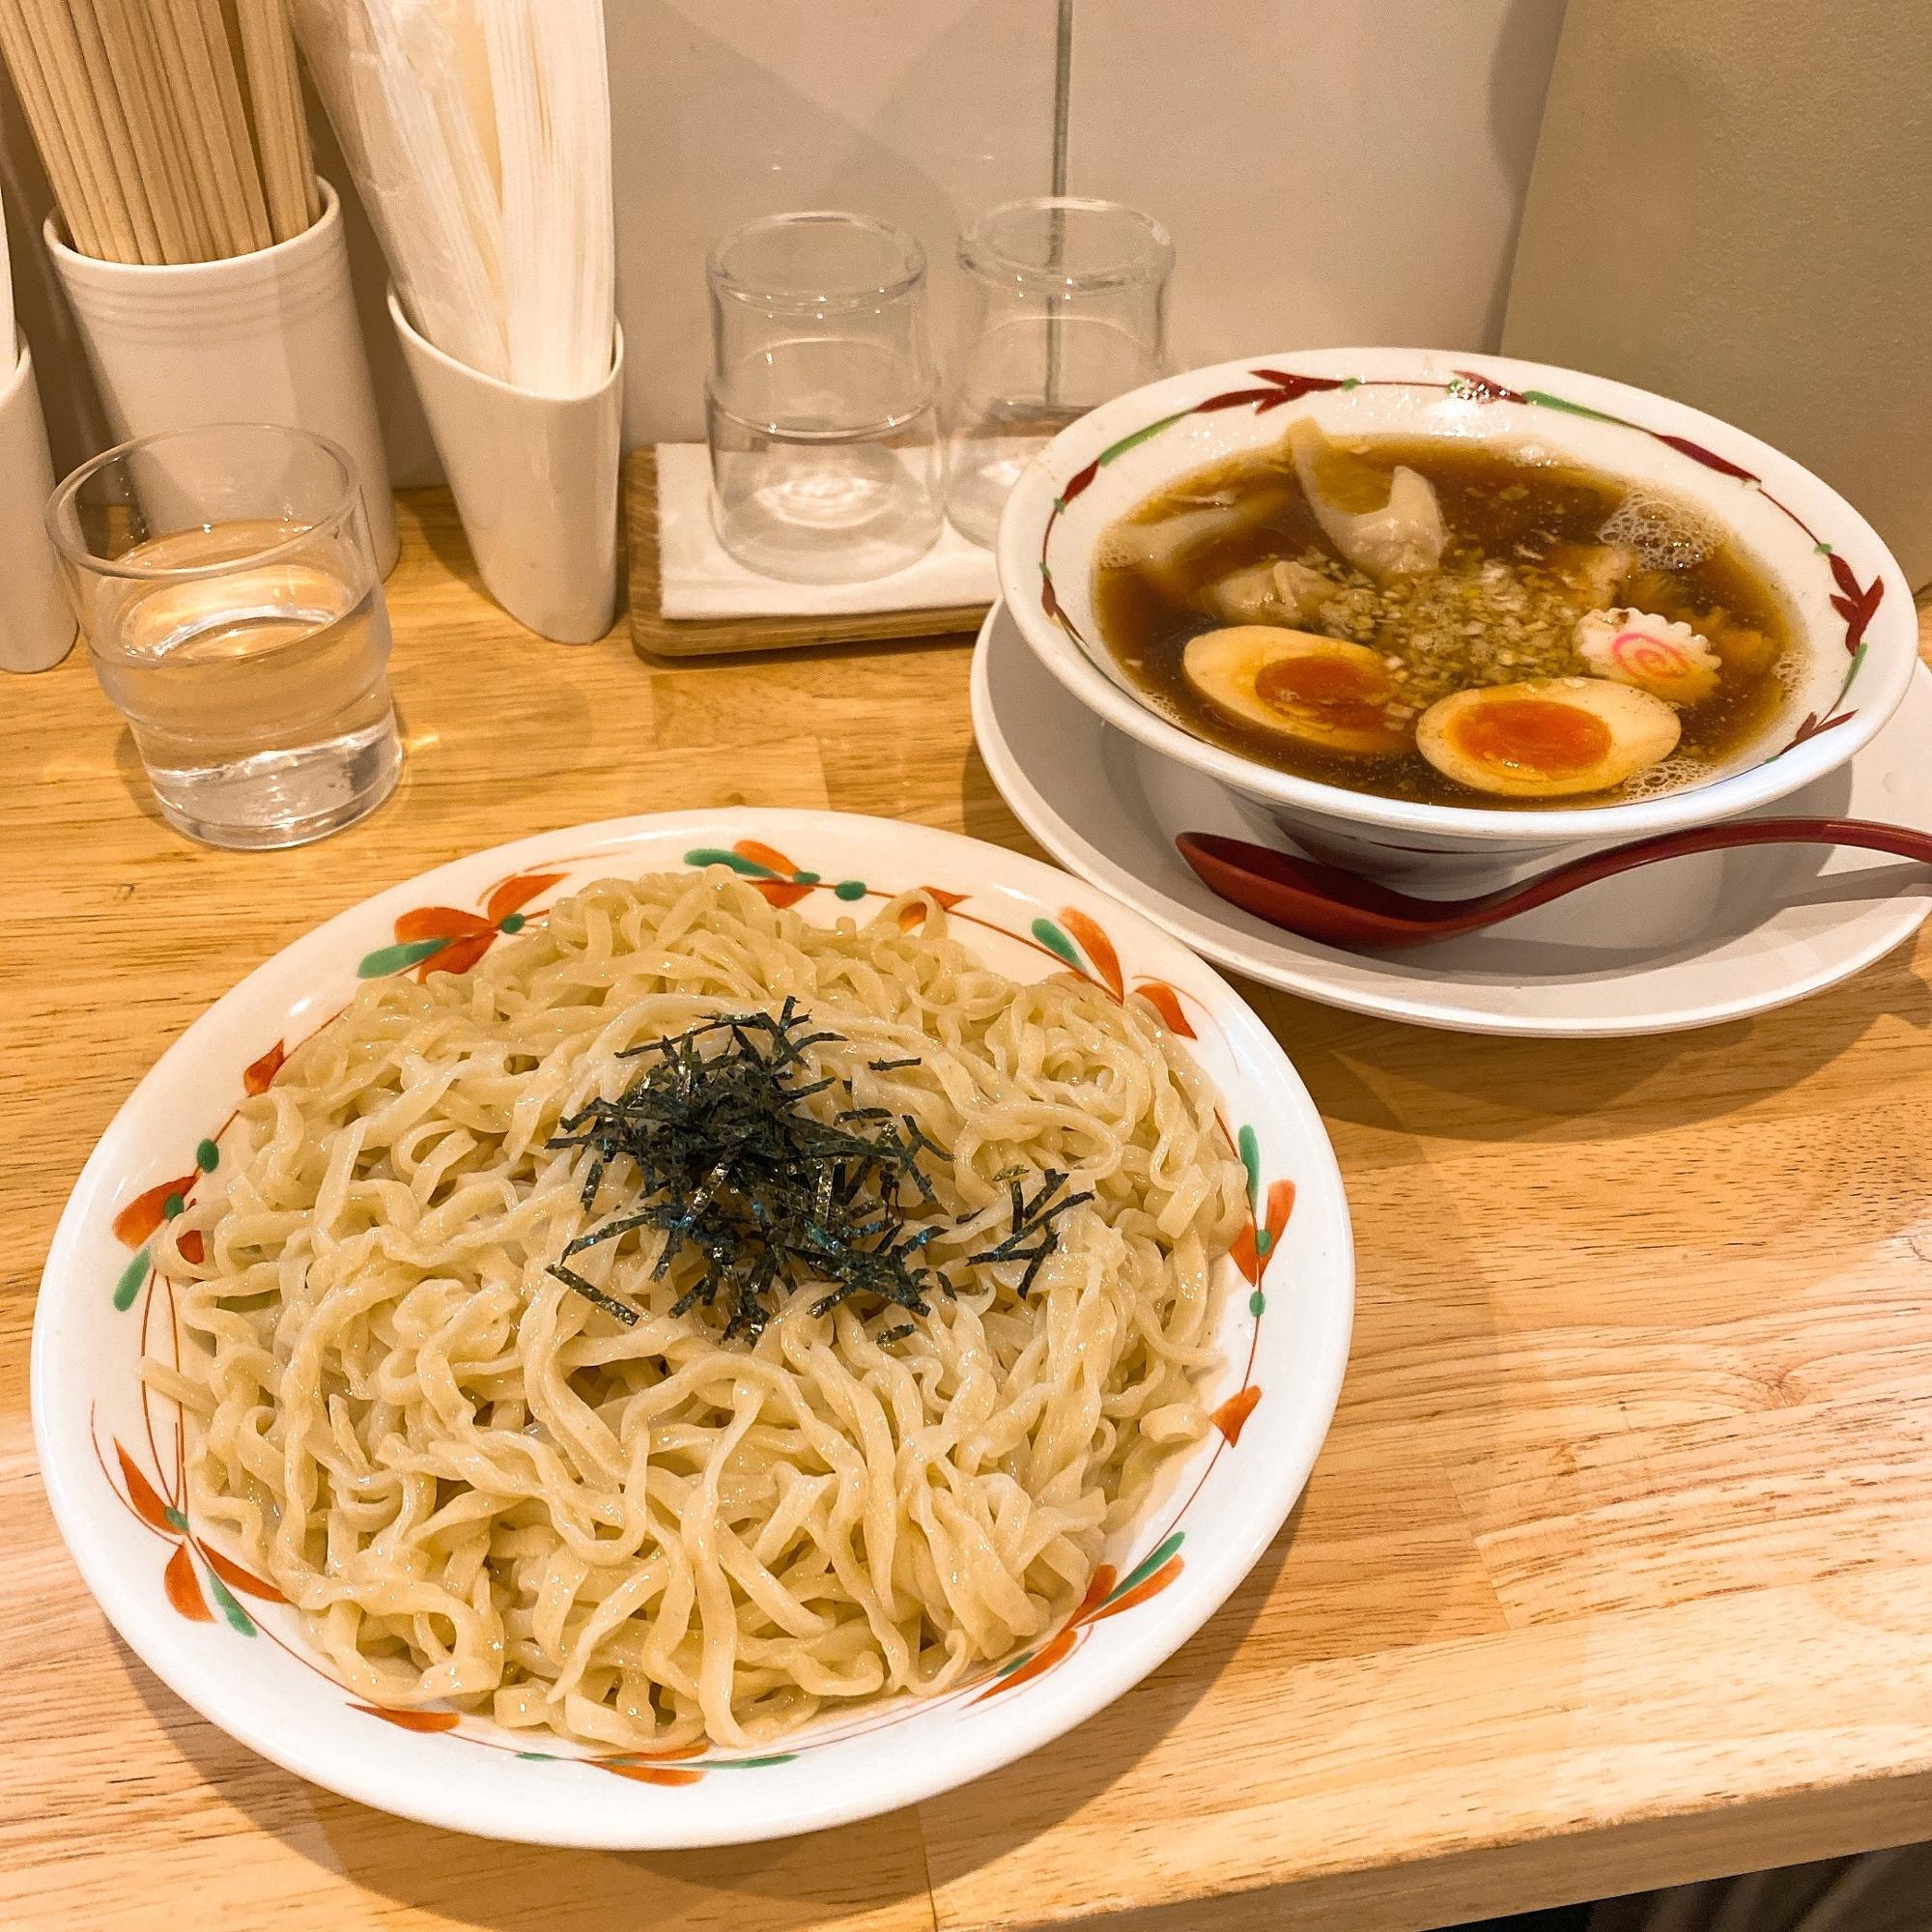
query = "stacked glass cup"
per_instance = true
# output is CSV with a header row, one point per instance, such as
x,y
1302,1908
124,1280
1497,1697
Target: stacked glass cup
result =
x,y
835,456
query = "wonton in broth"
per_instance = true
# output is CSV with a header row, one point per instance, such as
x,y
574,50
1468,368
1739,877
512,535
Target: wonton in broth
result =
x,y
1452,623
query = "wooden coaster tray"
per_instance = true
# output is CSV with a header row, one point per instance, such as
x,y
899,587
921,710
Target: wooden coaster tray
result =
x,y
706,637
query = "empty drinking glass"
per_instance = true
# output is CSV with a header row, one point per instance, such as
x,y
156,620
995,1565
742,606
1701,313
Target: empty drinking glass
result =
x,y
227,590
820,410
1066,308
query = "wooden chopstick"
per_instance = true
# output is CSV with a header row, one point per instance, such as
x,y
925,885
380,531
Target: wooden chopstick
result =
x,y
23,62
233,120
281,128
51,32
133,155
187,60
158,141
173,114
171,131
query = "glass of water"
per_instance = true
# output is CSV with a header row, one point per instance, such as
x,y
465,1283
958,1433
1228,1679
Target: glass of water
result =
x,y
820,410
227,589
1066,308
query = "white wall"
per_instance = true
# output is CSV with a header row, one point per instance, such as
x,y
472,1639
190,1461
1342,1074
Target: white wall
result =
x,y
1339,173
1331,170
919,111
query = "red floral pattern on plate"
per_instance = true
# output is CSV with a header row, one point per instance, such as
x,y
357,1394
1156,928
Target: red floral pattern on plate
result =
x,y
442,939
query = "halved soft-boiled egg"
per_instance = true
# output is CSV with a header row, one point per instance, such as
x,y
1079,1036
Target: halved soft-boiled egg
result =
x,y
1546,737
1324,692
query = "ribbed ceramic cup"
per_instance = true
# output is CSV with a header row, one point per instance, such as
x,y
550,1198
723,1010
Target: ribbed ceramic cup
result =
x,y
35,622
266,337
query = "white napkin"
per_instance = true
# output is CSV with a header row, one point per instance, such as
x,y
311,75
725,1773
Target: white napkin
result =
x,y
698,578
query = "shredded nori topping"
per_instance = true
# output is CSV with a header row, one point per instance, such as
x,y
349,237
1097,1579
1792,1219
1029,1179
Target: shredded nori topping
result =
x,y
1033,1222
766,1196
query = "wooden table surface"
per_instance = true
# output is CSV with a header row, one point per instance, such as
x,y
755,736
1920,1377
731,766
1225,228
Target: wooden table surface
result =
x,y
1615,1570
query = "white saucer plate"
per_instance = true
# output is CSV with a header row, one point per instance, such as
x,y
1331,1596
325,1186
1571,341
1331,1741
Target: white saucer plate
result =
x,y
1688,943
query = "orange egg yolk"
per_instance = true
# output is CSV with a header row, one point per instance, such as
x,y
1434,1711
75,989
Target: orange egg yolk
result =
x,y
1346,696
1529,735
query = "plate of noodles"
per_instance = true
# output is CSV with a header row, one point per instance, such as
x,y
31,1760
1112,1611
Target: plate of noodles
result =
x,y
708,1298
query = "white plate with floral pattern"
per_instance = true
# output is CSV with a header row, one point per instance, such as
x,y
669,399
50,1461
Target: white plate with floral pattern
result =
x,y
1700,940
220,1636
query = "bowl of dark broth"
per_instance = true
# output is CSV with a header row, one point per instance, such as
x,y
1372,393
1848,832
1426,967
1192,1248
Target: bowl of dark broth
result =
x,y
1422,607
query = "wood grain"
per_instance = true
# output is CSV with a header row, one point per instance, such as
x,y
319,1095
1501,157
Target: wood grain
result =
x,y
709,636
1615,1569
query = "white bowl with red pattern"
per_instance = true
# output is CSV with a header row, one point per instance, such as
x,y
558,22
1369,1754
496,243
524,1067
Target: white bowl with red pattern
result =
x,y
1850,607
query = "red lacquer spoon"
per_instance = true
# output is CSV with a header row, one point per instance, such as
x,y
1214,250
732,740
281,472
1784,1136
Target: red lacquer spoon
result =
x,y
1340,908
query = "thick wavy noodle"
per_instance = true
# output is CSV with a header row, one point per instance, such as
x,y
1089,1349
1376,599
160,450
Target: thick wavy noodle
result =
x,y
478,1487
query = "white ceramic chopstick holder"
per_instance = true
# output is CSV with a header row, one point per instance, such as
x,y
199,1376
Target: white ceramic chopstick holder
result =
x,y
535,481
36,620
268,337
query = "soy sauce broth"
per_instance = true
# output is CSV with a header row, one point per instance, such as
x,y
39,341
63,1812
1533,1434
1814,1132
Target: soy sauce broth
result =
x,y
1502,606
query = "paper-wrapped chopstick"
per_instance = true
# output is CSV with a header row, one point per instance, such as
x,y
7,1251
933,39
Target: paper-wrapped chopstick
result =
x,y
479,135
